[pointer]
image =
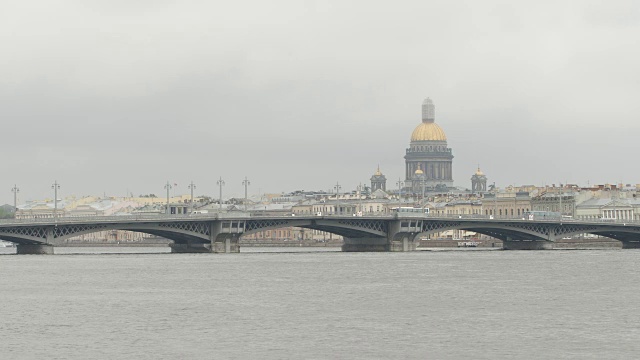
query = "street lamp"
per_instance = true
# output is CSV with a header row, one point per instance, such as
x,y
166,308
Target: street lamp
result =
x,y
220,184
246,183
360,198
424,180
400,184
55,188
495,201
15,191
337,187
561,212
192,187
168,187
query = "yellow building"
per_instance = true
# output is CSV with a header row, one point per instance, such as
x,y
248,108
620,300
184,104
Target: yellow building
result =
x,y
506,205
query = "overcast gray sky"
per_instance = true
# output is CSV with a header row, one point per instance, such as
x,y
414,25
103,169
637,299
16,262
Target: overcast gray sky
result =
x,y
116,96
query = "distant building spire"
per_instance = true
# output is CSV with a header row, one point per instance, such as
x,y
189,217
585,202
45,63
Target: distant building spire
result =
x,y
378,181
479,182
428,111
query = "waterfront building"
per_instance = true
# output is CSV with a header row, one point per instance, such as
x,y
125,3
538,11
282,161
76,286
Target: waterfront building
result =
x,y
179,208
153,199
429,153
335,207
562,202
106,236
506,204
379,194
609,205
303,208
457,207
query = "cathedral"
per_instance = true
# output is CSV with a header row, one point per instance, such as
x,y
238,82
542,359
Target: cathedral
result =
x,y
428,160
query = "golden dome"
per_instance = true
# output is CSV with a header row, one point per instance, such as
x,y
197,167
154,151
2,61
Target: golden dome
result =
x,y
479,172
428,131
419,172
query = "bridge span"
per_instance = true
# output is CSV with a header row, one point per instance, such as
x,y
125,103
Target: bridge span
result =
x,y
220,233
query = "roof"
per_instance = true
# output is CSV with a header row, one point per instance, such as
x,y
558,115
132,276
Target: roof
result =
x,y
603,202
428,131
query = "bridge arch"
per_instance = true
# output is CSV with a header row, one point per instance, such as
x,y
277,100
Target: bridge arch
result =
x,y
22,239
343,227
179,232
497,230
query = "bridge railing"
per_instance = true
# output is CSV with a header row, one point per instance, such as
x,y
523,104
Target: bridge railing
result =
x,y
244,215
132,217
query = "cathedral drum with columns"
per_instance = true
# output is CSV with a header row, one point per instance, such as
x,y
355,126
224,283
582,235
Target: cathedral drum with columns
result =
x,y
428,159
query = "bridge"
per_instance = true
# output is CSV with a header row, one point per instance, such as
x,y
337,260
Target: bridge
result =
x,y
220,233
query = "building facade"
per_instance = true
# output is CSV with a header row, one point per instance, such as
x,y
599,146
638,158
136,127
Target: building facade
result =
x,y
564,203
506,205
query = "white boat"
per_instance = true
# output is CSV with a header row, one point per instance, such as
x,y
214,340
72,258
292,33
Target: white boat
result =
x,y
468,243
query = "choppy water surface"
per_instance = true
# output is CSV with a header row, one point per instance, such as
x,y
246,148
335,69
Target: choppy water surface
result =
x,y
322,305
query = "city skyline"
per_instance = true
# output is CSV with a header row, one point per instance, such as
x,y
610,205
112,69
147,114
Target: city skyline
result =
x,y
114,99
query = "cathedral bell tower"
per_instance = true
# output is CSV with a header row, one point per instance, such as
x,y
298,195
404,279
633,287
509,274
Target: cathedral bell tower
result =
x,y
378,181
478,182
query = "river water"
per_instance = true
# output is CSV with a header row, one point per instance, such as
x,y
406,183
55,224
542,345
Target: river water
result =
x,y
294,304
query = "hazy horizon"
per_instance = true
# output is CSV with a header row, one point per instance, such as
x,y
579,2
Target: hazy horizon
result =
x,y
115,97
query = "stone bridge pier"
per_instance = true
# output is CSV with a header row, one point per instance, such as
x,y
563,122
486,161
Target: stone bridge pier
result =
x,y
34,249
363,244
37,241
226,244
534,244
223,238
401,236
190,247
631,244
400,242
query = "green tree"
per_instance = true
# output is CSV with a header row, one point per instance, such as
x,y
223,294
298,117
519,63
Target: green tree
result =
x,y
6,214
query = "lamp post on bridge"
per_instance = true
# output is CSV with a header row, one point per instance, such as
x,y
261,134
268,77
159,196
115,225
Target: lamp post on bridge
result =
x,y
495,202
560,205
192,187
424,180
400,184
220,184
15,191
55,188
168,187
246,183
337,187
360,199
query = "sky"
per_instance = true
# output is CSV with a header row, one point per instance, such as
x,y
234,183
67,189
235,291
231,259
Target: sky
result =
x,y
120,97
